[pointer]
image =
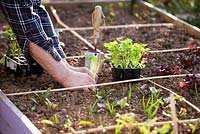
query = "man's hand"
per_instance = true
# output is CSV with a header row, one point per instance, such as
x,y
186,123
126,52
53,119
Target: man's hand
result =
x,y
60,71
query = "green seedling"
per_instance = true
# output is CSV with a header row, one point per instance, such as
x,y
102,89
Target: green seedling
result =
x,y
193,127
122,103
56,118
110,107
126,54
47,122
103,93
109,11
121,5
68,125
99,96
182,112
93,62
92,108
47,101
85,123
51,123
14,48
197,93
152,105
146,128
129,94
2,61
124,121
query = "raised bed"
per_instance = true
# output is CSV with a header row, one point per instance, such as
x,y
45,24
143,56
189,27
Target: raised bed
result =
x,y
13,121
74,106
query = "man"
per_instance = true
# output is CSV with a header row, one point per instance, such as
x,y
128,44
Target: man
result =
x,y
35,34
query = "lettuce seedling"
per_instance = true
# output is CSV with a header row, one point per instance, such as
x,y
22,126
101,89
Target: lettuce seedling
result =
x,y
126,54
93,62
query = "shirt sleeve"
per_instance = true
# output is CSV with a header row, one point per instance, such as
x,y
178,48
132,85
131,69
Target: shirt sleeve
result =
x,y
47,25
27,25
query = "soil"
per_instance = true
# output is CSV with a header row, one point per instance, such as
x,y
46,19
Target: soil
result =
x,y
74,105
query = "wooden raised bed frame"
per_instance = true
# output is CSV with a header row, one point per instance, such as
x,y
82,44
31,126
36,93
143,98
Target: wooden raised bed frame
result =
x,y
14,120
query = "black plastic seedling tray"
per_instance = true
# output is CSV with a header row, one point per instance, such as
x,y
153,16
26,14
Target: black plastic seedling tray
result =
x,y
17,64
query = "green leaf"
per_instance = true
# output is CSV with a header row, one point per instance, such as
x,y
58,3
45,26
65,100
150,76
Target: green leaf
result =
x,y
178,97
122,103
56,119
2,61
87,123
47,122
164,129
47,93
68,124
101,105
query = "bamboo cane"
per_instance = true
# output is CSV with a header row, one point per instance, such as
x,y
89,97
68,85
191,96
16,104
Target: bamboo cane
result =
x,y
113,127
98,85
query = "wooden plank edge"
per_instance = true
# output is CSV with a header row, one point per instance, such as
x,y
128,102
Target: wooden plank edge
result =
x,y
192,30
64,3
16,120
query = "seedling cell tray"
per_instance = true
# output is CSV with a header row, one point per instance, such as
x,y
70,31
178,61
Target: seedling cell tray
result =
x,y
17,65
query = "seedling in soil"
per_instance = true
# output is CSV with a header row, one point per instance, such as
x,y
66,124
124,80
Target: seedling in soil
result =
x,y
85,123
197,93
147,128
188,61
68,125
161,70
194,49
14,48
126,54
92,107
47,122
192,82
111,107
109,11
93,62
122,103
103,93
99,96
123,121
129,94
182,112
152,105
193,127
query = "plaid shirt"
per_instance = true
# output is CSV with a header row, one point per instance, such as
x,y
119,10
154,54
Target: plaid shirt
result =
x,y
31,23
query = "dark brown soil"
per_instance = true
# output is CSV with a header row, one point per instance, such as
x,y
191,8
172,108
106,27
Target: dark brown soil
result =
x,y
75,105
81,15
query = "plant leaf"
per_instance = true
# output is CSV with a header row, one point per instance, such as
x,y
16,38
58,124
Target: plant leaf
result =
x,y
101,105
87,123
47,122
56,119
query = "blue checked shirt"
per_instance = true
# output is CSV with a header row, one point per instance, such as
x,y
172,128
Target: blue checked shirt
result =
x,y
31,23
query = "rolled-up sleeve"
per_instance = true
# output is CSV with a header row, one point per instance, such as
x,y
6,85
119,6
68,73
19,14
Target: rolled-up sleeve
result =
x,y
47,25
27,26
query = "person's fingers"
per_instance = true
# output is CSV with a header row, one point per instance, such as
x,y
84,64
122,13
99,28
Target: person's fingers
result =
x,y
87,71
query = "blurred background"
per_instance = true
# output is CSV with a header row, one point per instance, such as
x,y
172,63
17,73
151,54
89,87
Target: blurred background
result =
x,y
187,10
